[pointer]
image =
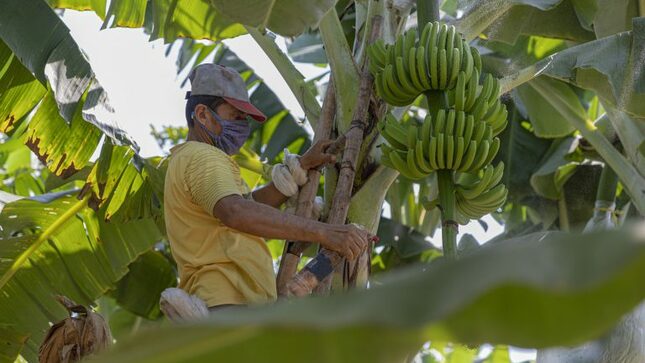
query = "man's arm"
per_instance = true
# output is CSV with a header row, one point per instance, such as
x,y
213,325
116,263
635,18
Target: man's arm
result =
x,y
264,221
269,195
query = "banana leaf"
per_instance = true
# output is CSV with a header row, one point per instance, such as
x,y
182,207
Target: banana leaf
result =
x,y
611,67
53,244
50,53
529,292
286,17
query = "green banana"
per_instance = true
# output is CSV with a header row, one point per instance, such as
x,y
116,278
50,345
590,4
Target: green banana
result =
x,y
460,91
450,123
482,153
443,69
434,34
470,127
471,95
402,77
439,122
393,136
468,57
393,85
494,94
494,148
459,153
434,67
476,58
482,185
443,35
460,124
450,151
401,164
422,67
455,64
425,34
432,153
450,41
413,169
422,163
414,71
492,198
388,94
426,131
469,156
498,173
441,161
413,131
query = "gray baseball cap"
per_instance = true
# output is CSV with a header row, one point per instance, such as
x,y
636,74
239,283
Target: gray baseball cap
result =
x,y
210,79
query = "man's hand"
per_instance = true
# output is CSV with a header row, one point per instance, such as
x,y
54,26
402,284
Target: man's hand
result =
x,y
348,240
317,156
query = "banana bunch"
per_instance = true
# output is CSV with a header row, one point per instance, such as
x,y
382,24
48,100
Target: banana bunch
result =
x,y
452,141
460,135
407,68
483,103
476,199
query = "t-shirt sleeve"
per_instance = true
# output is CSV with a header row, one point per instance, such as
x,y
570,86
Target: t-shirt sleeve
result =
x,y
210,177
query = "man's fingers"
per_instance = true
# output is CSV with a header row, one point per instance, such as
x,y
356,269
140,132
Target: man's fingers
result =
x,y
322,145
329,158
349,254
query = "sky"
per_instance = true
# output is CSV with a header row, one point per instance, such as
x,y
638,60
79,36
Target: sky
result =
x,y
145,90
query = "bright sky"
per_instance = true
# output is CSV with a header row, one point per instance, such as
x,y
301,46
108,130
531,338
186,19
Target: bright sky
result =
x,y
145,90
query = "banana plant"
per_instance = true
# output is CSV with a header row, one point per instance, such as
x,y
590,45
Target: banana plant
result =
x,y
562,78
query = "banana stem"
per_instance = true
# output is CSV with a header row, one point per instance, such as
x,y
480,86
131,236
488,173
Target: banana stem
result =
x,y
449,226
427,11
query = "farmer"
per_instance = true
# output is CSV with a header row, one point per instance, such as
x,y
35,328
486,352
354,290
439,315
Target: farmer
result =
x,y
215,225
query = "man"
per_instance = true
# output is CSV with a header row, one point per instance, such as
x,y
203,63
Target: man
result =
x,y
215,226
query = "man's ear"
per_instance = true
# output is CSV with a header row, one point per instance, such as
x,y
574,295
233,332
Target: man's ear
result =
x,y
200,114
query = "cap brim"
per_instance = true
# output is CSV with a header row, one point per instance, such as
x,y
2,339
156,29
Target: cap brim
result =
x,y
247,108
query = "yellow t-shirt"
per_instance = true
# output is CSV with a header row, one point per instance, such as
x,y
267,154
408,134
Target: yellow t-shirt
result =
x,y
219,264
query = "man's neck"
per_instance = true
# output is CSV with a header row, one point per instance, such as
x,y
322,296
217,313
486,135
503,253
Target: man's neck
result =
x,y
199,135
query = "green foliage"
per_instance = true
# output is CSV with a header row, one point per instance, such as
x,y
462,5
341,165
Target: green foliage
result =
x,y
287,17
573,289
53,244
582,284
140,289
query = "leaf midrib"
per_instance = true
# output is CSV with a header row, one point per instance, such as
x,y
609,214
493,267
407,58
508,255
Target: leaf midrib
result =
x,y
53,228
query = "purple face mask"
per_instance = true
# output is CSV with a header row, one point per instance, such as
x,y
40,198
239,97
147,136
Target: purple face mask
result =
x,y
233,135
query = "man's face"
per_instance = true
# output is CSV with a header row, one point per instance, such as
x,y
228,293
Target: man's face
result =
x,y
224,110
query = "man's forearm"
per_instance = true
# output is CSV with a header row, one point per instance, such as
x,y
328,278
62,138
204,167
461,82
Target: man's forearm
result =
x,y
269,195
264,221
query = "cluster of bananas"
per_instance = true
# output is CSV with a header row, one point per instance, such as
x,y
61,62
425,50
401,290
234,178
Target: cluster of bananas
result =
x,y
405,69
461,135
454,141
477,198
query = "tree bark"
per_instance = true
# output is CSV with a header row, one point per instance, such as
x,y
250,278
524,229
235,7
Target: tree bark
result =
x,y
324,263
